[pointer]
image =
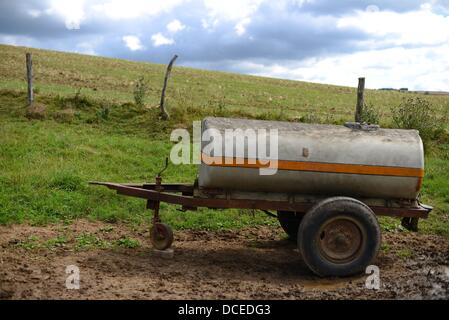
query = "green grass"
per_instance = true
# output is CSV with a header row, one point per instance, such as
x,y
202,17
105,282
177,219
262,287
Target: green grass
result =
x,y
405,253
88,241
31,243
128,243
57,242
45,165
113,80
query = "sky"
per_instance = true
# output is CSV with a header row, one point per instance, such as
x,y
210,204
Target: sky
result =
x,y
401,43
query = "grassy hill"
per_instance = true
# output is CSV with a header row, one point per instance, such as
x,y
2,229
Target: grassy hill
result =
x,y
94,131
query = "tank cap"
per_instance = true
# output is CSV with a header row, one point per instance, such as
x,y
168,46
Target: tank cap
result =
x,y
362,126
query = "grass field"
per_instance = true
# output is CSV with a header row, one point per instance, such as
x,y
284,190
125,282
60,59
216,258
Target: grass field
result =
x,y
45,164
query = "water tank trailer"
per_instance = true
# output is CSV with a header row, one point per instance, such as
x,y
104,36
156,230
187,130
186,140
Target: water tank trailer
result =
x,y
330,185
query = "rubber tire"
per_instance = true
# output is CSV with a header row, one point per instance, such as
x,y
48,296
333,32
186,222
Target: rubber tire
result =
x,y
161,244
328,209
290,222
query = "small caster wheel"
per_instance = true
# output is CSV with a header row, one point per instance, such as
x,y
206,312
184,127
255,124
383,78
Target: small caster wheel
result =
x,y
161,236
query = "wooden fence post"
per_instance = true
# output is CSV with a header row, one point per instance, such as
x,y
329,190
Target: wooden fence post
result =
x,y
164,112
360,100
29,64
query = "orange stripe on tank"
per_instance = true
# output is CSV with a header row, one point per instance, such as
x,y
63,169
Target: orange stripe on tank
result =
x,y
315,166
419,184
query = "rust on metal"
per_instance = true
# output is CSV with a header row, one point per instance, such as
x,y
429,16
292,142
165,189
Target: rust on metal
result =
x,y
169,195
340,240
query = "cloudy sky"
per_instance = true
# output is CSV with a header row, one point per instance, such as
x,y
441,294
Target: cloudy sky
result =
x,y
401,43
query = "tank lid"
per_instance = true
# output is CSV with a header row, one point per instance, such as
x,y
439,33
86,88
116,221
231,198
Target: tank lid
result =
x,y
362,126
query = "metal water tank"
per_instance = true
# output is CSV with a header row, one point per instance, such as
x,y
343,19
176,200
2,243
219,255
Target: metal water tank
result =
x,y
318,159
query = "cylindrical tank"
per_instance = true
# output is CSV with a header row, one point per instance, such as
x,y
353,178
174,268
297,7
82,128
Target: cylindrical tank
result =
x,y
320,160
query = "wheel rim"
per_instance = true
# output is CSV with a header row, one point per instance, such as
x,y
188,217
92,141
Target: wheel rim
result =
x,y
161,237
341,240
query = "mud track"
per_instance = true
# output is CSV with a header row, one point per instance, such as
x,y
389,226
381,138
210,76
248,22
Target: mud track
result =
x,y
255,263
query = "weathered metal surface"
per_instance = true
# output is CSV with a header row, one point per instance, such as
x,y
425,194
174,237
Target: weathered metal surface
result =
x,y
166,187
300,198
325,159
154,197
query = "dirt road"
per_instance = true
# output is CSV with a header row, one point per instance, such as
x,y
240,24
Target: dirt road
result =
x,y
255,263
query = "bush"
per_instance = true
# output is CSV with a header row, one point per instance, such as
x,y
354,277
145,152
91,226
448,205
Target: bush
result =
x,y
78,101
369,114
140,91
420,114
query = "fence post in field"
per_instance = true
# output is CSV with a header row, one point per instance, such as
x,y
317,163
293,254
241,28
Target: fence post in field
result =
x,y
164,112
360,100
29,64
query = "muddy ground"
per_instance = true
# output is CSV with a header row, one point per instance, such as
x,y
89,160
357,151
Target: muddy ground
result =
x,y
255,263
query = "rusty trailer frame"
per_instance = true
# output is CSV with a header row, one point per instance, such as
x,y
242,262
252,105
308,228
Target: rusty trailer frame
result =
x,y
341,239
183,195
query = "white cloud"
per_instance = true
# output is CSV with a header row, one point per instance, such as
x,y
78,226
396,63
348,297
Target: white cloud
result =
x,y
417,68
35,13
421,27
240,28
160,40
130,9
299,3
409,49
175,26
72,12
209,24
231,9
133,43
239,11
